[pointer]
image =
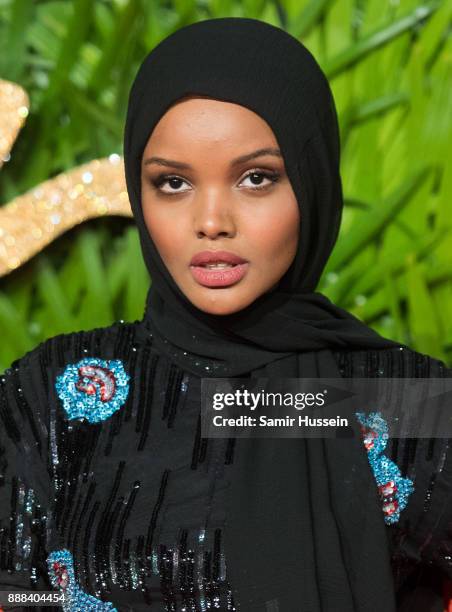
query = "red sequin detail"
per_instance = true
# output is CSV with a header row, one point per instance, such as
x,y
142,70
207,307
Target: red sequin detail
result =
x,y
369,437
390,507
103,377
389,488
62,575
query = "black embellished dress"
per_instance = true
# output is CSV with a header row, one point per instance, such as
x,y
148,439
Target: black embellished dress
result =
x,y
109,494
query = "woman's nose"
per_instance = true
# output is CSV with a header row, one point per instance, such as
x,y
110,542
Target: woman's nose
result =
x,y
214,215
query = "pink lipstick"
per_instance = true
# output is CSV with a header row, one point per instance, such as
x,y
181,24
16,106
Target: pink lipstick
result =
x,y
218,268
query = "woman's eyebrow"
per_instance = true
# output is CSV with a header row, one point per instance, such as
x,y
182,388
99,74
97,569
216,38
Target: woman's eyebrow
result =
x,y
161,161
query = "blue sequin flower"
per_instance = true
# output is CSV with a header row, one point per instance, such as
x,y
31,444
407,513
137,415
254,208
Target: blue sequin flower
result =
x,y
61,572
93,388
394,489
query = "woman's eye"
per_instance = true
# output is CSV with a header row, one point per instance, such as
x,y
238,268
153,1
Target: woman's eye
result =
x,y
260,179
174,184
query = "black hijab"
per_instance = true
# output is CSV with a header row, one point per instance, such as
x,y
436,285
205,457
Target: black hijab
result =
x,y
305,528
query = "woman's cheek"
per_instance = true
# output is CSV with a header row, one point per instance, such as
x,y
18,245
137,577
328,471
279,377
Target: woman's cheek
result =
x,y
276,240
168,236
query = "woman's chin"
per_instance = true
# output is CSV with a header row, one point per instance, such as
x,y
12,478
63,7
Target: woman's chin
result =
x,y
221,302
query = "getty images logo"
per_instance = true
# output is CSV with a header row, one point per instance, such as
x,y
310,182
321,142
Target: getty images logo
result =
x,y
251,400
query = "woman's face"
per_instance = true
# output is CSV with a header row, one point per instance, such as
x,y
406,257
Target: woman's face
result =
x,y
207,185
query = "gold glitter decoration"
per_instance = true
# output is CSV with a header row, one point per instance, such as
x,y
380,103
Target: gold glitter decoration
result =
x,y
14,105
33,220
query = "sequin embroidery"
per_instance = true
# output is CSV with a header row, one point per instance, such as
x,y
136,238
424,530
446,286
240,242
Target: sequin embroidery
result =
x,y
61,571
93,388
393,488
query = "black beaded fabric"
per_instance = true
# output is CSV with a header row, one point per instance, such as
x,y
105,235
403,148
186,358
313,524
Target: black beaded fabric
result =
x,y
139,498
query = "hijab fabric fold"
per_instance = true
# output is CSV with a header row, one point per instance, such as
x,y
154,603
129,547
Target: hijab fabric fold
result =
x,y
305,528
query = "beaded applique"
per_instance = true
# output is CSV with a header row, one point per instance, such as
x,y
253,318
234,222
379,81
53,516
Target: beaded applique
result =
x,y
92,388
61,572
394,489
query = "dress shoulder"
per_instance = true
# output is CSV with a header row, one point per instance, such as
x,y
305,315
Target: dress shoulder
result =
x,y
390,362
28,401
421,540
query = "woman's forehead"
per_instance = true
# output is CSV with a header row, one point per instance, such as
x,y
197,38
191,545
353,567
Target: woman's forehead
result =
x,y
210,122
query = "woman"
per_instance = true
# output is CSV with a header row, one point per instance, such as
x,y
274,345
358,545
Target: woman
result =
x,y
111,495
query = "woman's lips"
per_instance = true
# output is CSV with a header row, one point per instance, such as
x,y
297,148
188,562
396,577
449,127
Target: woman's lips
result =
x,y
219,277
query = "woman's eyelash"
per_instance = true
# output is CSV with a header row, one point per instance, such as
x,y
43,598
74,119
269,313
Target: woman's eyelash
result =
x,y
269,174
163,178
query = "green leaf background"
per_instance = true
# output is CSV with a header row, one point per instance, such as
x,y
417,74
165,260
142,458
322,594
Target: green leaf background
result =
x,y
389,63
